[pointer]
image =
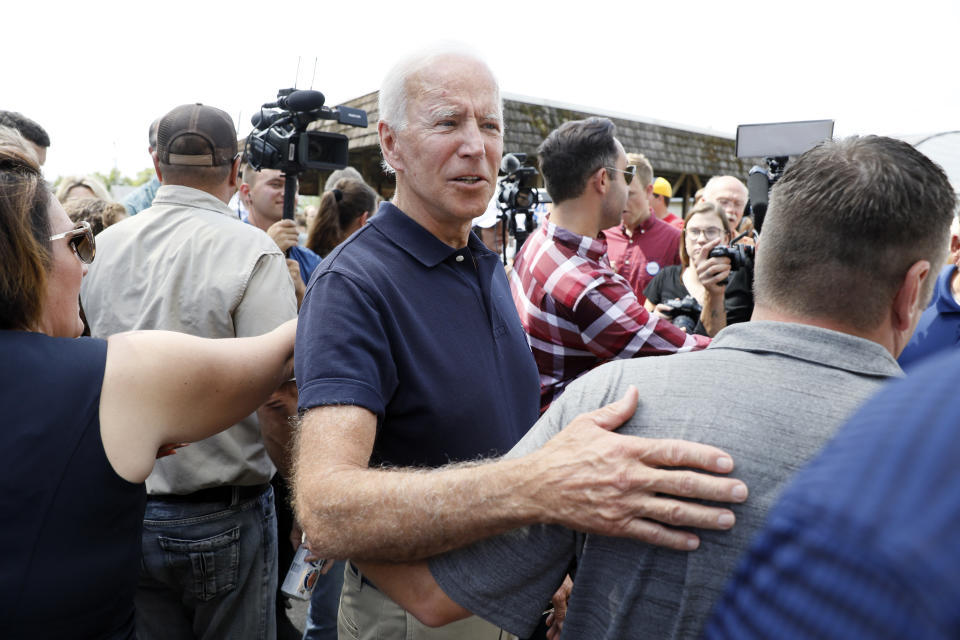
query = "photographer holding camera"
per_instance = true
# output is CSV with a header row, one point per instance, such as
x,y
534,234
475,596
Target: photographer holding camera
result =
x,y
705,292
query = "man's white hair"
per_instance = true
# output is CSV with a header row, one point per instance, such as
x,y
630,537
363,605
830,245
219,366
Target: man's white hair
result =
x,y
393,99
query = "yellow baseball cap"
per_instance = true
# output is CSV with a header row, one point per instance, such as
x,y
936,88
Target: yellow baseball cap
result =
x,y
662,188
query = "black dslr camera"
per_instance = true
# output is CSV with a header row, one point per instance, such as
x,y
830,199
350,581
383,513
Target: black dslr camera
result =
x,y
280,139
684,313
741,255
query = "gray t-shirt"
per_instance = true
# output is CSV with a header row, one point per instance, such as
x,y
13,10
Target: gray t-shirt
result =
x,y
768,393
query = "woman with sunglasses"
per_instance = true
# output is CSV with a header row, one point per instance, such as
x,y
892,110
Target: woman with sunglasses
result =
x,y
701,277
84,419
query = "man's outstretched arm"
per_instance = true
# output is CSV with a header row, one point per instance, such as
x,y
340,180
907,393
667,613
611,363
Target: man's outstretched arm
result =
x,y
585,478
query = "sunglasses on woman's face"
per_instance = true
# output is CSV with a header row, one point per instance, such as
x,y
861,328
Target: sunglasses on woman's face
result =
x,y
81,241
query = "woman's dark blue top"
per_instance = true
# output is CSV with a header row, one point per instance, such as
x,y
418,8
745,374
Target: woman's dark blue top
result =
x,y
70,535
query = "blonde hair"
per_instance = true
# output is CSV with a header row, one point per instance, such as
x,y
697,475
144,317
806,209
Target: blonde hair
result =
x,y
90,182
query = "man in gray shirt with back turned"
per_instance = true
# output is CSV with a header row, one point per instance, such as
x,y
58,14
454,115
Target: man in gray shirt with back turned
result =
x,y
854,237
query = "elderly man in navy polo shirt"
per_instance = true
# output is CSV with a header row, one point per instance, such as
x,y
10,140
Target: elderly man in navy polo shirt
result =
x,y
410,355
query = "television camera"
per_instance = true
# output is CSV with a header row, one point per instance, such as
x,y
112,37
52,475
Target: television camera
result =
x,y
516,197
280,139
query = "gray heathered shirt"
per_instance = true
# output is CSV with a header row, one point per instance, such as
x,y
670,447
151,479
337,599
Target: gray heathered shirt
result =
x,y
768,393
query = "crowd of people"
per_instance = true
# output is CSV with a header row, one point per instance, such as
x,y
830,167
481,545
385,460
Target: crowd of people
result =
x,y
622,433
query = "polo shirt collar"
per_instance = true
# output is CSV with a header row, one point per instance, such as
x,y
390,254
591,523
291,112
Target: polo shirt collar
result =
x,y
813,344
649,224
407,234
944,294
589,248
640,228
174,194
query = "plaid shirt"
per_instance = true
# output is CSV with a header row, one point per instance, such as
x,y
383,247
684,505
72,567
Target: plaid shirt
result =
x,y
578,313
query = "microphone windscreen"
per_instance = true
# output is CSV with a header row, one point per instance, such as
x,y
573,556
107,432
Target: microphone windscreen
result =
x,y
757,187
509,164
304,100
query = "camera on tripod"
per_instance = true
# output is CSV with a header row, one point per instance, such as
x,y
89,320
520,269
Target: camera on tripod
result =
x,y
517,196
776,142
280,139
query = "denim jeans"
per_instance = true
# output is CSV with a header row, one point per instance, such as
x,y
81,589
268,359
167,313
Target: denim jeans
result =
x,y
208,570
322,612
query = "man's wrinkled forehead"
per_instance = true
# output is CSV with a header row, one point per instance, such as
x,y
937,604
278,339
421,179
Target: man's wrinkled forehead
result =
x,y
443,88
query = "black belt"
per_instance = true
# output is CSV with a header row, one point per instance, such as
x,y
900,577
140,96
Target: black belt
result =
x,y
229,494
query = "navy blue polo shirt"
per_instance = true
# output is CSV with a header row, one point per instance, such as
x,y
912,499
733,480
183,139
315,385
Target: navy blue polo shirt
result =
x,y
939,327
423,335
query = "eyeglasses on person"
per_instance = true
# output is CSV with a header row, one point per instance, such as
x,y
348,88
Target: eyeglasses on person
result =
x,y
709,233
628,173
81,241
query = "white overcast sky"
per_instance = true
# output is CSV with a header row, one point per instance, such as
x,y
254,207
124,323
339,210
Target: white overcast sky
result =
x,y
95,74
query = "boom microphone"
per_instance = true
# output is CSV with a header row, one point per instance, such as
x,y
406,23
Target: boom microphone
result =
x,y
303,100
758,188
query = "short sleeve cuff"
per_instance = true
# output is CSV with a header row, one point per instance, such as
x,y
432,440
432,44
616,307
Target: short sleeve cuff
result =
x,y
340,391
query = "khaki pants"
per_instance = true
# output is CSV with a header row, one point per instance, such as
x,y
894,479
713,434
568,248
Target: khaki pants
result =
x,y
367,614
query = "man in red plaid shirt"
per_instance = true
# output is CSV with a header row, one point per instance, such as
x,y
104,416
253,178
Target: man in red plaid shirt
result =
x,y
577,312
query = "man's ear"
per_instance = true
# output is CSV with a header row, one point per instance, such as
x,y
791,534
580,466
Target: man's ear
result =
x,y
954,248
600,180
389,145
244,191
235,172
156,165
906,303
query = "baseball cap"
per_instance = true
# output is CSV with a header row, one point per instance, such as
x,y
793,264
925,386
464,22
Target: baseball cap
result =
x,y
196,135
662,188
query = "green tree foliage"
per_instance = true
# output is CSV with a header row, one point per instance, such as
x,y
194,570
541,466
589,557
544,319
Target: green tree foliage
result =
x,y
143,176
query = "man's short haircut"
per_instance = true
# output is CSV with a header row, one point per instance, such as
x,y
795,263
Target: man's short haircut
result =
x,y
573,152
152,133
393,99
27,127
248,175
644,168
845,223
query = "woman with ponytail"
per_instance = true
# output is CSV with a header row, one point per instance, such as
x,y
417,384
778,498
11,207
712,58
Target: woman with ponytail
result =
x,y
343,210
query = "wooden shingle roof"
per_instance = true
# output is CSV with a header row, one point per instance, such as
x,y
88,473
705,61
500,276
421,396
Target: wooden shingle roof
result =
x,y
670,148
684,155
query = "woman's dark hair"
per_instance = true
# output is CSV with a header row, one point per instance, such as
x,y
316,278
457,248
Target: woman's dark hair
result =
x,y
339,209
24,233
